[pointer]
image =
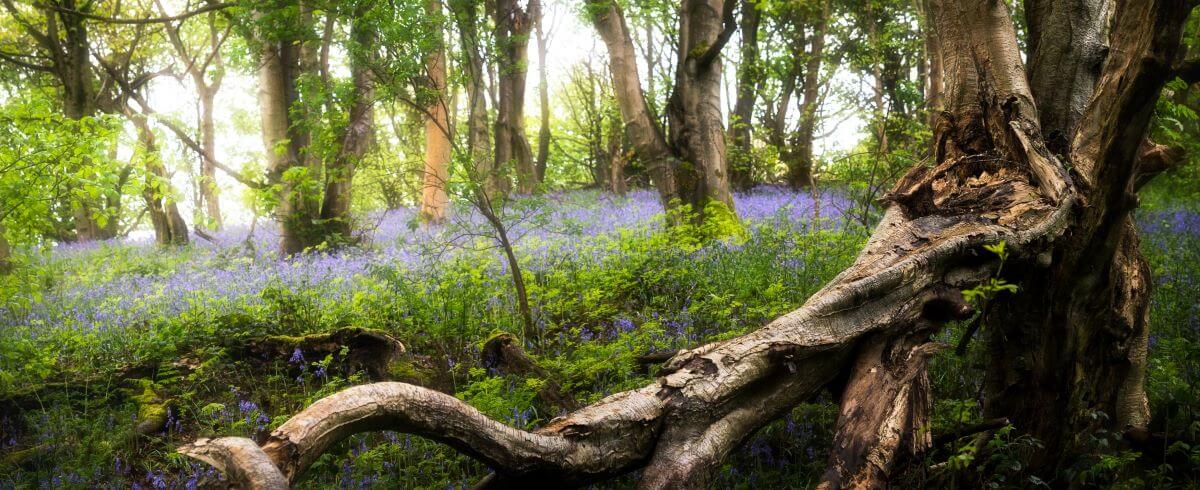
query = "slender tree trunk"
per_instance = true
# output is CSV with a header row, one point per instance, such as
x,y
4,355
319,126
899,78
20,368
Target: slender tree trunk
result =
x,y
641,129
358,137
6,264
800,171
437,135
478,137
742,120
933,84
513,26
617,159
169,227
209,190
543,152
197,67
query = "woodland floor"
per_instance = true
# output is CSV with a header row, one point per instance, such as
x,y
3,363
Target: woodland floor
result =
x,y
102,339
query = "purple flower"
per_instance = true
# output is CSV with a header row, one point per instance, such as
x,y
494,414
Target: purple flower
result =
x,y
297,357
624,324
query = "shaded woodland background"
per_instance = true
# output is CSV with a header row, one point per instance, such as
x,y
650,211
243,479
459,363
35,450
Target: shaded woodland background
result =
x,y
214,214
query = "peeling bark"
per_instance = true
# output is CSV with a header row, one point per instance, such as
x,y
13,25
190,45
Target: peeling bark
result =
x,y
884,412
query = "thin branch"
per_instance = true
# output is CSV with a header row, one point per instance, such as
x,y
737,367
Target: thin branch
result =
x,y
148,20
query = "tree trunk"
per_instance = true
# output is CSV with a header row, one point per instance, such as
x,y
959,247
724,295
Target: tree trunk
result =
x,y
74,72
1066,48
169,227
285,139
466,15
6,264
617,159
800,168
209,190
641,129
694,113
357,137
284,143
437,135
513,26
1071,342
543,153
741,121
197,67
690,169
1079,345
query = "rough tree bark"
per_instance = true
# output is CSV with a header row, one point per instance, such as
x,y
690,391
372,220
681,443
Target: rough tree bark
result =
x,y
437,134
688,163
513,25
1073,340
1080,346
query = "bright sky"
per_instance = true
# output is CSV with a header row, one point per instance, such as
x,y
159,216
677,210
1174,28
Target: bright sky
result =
x,y
571,41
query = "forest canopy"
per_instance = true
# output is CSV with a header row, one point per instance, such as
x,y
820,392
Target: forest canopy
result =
x,y
662,244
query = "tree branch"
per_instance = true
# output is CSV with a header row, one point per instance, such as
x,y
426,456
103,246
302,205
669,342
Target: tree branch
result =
x,y
148,20
729,20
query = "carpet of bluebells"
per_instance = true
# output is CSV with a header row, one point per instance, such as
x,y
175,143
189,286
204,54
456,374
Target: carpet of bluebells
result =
x,y
100,335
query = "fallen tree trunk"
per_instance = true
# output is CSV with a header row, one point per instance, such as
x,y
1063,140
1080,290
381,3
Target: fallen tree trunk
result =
x,y
1065,231
502,354
368,350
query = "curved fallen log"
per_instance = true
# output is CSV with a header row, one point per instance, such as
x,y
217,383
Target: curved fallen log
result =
x,y
1066,231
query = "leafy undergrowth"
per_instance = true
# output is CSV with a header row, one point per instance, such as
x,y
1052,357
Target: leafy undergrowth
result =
x,y
100,340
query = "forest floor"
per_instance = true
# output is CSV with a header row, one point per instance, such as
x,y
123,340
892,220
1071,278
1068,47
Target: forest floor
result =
x,y
114,354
